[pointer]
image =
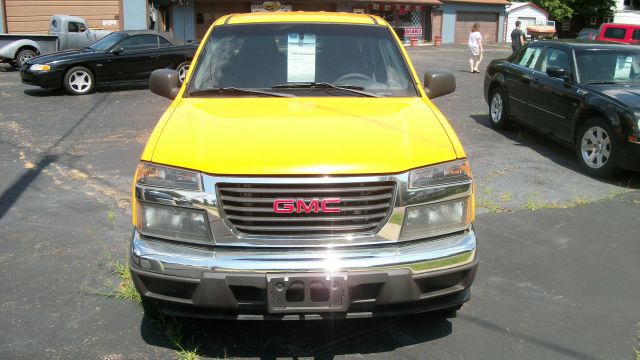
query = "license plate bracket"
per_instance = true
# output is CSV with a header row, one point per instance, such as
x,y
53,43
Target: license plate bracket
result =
x,y
307,293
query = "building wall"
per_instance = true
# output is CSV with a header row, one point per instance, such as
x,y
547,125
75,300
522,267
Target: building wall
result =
x,y
524,11
134,14
449,18
33,16
184,26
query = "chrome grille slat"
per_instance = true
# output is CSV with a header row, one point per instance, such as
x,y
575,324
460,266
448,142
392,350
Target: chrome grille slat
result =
x,y
364,208
303,228
271,199
307,219
289,190
270,209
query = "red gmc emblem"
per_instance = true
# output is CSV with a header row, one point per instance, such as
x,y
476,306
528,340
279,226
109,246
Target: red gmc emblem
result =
x,y
288,206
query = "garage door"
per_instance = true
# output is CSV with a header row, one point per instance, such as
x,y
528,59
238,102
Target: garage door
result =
x,y
488,26
32,16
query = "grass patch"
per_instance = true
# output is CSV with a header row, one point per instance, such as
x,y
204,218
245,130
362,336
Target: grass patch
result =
x,y
111,216
124,289
533,203
506,196
396,218
492,207
173,331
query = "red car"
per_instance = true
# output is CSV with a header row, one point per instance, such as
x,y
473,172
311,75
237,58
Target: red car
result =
x,y
622,33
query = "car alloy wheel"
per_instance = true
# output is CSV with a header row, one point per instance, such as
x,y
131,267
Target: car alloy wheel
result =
x,y
80,81
496,107
182,72
595,147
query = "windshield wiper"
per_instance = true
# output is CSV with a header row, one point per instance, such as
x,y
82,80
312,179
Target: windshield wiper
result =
x,y
325,85
237,91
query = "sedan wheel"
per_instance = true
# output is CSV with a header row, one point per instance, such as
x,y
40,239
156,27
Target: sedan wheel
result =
x,y
595,148
497,109
79,81
183,69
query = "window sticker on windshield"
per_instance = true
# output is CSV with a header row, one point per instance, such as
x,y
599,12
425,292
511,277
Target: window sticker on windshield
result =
x,y
301,58
623,68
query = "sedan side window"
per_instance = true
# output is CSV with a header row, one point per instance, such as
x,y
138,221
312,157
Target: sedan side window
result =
x,y
139,42
163,42
558,58
529,58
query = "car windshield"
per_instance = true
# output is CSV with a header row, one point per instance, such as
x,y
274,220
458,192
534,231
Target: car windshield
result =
x,y
609,65
302,60
107,41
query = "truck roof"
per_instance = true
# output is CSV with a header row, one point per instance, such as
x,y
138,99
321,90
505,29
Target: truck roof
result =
x,y
300,16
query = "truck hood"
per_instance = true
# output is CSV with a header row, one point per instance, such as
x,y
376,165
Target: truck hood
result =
x,y
301,136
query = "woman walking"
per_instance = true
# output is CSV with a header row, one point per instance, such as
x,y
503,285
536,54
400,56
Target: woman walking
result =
x,y
475,48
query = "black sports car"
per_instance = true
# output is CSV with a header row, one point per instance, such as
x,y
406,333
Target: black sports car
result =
x,y
584,94
120,57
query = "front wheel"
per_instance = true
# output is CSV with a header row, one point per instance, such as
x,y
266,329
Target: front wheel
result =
x,y
498,109
183,69
595,149
79,80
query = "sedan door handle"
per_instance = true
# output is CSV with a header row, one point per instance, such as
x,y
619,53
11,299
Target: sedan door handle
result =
x,y
526,79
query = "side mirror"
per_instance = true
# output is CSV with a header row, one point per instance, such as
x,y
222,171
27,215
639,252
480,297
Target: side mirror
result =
x,y
165,82
438,83
116,50
556,72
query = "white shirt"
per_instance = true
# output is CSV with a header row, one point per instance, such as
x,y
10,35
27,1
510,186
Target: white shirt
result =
x,y
474,38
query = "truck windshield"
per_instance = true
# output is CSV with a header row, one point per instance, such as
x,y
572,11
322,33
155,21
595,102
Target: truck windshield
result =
x,y
107,41
302,60
609,66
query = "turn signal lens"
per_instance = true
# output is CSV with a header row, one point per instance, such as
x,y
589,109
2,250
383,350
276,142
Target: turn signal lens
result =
x,y
168,177
40,67
442,174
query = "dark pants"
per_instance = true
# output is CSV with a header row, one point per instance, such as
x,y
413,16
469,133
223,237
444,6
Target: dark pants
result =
x,y
515,48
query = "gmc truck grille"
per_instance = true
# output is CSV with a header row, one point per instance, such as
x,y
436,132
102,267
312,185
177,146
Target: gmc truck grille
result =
x,y
250,209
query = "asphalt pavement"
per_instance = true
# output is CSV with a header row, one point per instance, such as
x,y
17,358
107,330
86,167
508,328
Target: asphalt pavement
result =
x,y
559,276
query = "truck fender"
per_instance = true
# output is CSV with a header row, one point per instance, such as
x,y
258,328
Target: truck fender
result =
x,y
9,51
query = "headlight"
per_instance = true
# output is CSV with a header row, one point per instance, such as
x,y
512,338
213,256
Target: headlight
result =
x,y
441,218
168,177
443,174
40,67
172,222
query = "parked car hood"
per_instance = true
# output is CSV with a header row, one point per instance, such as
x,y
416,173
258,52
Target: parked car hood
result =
x,y
626,94
62,56
298,136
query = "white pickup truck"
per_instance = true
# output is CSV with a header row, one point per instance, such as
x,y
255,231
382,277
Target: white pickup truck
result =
x,y
65,32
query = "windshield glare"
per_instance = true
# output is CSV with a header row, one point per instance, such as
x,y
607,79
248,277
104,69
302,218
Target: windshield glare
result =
x,y
107,41
260,56
609,66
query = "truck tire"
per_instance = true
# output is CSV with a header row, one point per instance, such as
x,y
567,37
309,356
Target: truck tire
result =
x,y
78,81
23,56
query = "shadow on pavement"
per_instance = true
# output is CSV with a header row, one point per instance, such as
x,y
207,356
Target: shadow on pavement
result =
x,y
555,152
318,339
40,92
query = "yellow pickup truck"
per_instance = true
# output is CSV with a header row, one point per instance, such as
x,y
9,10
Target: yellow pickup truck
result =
x,y
302,172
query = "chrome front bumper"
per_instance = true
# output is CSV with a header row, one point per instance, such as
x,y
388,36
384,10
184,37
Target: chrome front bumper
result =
x,y
419,257
233,283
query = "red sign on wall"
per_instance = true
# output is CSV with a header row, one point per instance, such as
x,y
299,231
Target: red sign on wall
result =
x,y
412,31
